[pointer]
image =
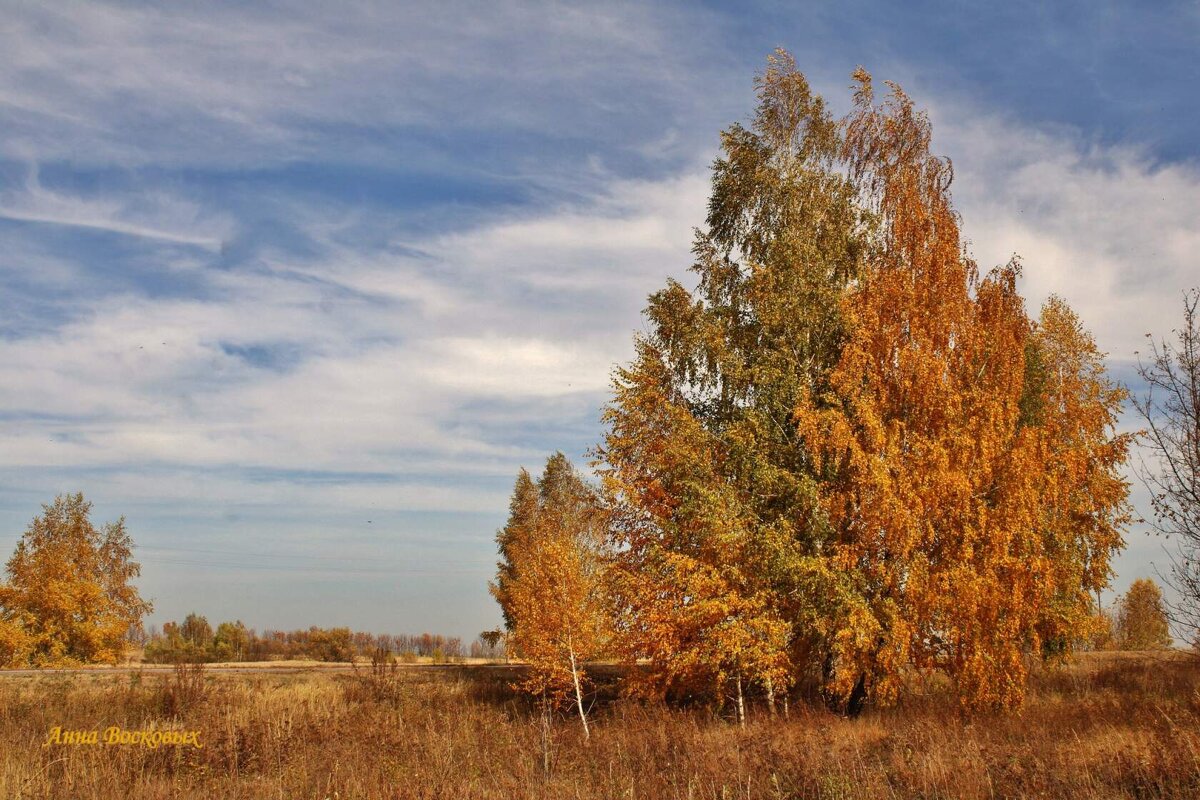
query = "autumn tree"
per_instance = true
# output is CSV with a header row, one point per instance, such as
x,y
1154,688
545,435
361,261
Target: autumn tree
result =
x,y
491,642
1071,406
720,529
68,594
550,584
513,539
1171,410
847,452
230,641
974,467
196,632
1142,618
330,644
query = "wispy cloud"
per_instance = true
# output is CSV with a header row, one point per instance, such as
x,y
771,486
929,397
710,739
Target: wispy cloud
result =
x,y
231,84
1110,229
154,215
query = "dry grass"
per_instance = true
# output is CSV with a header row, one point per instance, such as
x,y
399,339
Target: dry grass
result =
x,y
1112,726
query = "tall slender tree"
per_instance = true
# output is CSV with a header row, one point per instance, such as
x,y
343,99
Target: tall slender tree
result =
x,y
1072,407
551,582
512,540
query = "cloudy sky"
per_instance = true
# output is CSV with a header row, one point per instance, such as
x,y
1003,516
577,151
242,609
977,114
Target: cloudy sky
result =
x,y
298,288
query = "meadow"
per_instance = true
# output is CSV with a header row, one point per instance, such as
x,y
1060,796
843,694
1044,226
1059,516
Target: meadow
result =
x,y
1110,725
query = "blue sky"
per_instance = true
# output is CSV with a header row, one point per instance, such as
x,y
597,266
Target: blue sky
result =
x,y
298,288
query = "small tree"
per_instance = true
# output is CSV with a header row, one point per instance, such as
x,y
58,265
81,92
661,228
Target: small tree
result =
x,y
550,585
69,596
230,641
1171,409
332,644
196,632
1142,618
491,642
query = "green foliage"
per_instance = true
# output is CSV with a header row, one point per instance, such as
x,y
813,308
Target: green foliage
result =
x,y
844,452
723,515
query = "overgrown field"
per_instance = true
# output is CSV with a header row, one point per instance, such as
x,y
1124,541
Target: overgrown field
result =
x,y
1113,725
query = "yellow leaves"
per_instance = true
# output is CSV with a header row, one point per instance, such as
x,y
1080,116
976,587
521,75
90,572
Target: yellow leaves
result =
x,y
68,595
14,644
551,585
1142,618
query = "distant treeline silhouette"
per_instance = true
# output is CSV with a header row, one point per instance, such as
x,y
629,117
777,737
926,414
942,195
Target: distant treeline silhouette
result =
x,y
195,640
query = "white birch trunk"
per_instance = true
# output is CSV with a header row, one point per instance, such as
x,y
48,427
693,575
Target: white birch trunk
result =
x,y
587,734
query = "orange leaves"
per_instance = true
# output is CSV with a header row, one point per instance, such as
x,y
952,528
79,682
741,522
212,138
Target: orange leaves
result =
x,y
550,585
944,497
846,451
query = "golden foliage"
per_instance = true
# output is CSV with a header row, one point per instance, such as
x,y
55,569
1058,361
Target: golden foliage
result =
x,y
847,452
977,526
68,598
551,582
1142,619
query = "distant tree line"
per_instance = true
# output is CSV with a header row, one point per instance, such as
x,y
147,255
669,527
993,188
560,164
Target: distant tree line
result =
x,y
195,640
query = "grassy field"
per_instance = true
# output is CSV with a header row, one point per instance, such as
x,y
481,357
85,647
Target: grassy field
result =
x,y
1110,726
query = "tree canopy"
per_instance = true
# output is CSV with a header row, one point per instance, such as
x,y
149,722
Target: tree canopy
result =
x,y
847,453
68,597
1142,618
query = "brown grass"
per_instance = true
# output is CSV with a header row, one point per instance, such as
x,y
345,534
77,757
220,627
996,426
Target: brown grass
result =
x,y
1112,726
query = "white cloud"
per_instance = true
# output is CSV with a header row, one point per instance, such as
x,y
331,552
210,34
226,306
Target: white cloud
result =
x,y
232,84
154,215
513,368
1115,234
532,310
610,244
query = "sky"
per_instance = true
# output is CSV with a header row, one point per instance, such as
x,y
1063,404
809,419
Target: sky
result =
x,y
297,288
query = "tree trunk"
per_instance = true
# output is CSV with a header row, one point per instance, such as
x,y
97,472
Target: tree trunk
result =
x,y
771,696
545,735
858,697
850,706
587,734
741,703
